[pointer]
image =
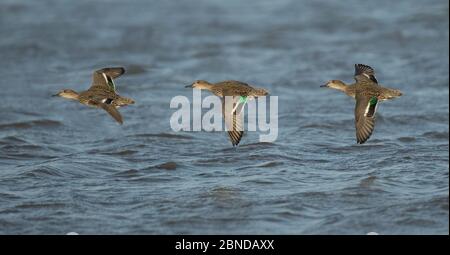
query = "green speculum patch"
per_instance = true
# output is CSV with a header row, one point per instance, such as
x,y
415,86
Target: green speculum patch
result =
x,y
111,85
373,101
242,99
371,107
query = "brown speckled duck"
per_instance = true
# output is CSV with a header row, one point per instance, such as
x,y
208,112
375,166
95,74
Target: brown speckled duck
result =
x,y
235,89
367,93
102,93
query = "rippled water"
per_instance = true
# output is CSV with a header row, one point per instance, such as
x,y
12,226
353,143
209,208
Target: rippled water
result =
x,y
65,167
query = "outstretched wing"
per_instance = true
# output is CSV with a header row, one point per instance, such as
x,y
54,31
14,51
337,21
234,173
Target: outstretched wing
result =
x,y
104,78
364,73
233,121
109,108
365,109
112,111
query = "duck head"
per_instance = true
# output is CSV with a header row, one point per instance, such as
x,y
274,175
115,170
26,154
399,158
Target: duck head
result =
x,y
334,84
67,93
200,84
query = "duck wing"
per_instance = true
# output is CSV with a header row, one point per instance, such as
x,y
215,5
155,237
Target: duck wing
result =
x,y
233,121
104,78
365,109
364,73
109,108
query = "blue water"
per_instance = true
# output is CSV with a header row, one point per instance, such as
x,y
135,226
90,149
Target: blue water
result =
x,y
65,167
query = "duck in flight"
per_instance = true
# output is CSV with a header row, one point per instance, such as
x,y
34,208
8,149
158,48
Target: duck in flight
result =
x,y
242,92
102,93
367,93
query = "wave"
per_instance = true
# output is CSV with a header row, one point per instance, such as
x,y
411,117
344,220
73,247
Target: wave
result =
x,y
436,135
31,124
163,135
166,166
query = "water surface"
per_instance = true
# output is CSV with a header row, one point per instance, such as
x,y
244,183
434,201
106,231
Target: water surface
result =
x,y
65,167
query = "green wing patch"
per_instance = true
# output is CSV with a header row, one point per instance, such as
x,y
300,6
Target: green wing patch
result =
x,y
111,83
371,107
373,100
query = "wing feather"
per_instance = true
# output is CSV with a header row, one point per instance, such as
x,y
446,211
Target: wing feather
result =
x,y
364,122
104,78
112,111
364,73
233,122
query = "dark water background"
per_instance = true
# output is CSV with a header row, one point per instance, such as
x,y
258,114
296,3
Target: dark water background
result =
x,y
65,167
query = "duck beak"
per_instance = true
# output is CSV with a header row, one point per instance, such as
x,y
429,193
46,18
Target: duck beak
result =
x,y
55,95
324,85
189,86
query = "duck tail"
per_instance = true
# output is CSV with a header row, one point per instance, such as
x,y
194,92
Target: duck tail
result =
x,y
125,101
392,93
